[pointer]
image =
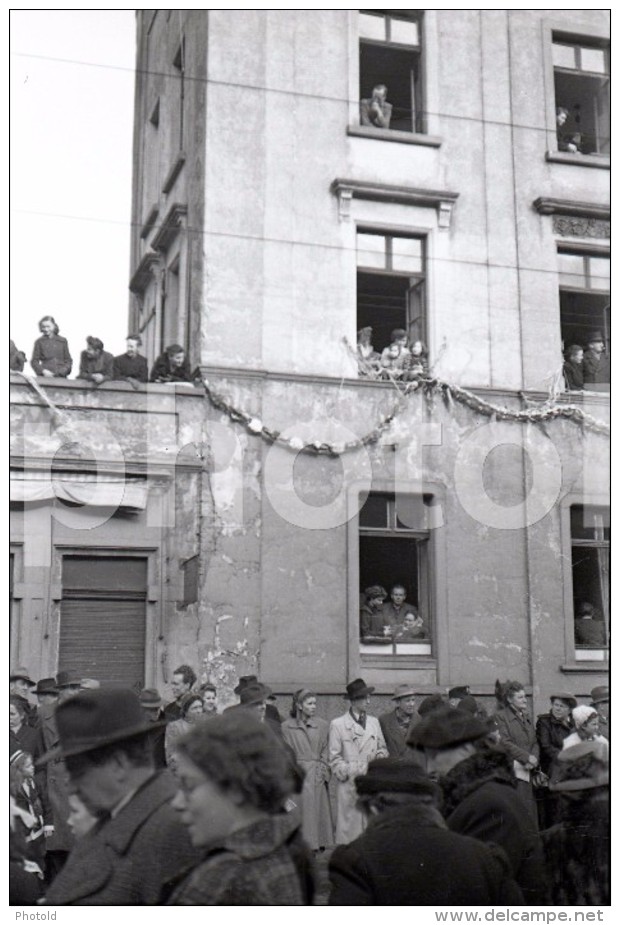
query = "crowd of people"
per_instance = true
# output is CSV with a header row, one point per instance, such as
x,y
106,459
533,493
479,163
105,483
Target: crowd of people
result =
x,y
401,359
51,358
119,798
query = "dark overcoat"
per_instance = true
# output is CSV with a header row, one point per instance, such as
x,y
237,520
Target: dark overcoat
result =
x,y
395,736
53,785
481,800
125,860
407,856
550,734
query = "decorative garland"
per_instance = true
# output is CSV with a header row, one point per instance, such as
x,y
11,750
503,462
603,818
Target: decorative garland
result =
x,y
431,387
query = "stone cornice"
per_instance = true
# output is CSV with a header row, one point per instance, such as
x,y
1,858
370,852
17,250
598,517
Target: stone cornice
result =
x,y
170,227
149,222
144,272
441,200
547,206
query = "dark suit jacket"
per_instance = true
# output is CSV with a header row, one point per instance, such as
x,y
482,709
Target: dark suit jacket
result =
x,y
125,860
395,735
52,783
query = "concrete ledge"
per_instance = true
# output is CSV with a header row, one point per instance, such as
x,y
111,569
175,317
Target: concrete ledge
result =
x,y
386,134
579,160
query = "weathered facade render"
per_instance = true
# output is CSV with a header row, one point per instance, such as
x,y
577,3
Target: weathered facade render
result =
x,y
270,225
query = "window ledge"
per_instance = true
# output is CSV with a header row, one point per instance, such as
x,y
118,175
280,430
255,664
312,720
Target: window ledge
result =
x,y
387,134
586,667
581,160
398,661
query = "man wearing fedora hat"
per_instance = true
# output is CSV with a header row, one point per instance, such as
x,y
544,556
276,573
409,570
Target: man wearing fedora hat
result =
x,y
46,691
397,722
20,685
596,367
479,788
600,701
271,711
355,739
52,778
138,843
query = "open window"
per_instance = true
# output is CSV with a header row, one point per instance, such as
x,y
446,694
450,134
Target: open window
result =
x,y
581,78
394,551
390,286
390,55
590,537
584,297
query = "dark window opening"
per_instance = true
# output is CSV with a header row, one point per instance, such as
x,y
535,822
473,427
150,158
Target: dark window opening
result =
x,y
390,55
103,618
581,77
390,286
590,536
584,298
394,550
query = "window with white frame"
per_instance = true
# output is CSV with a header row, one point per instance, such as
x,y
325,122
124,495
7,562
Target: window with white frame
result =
x,y
394,558
584,297
390,56
590,538
391,285
581,78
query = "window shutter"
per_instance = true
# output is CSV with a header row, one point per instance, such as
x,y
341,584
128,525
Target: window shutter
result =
x,y
103,639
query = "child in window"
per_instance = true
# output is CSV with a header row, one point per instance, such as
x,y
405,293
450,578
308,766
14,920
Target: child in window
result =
x,y
394,357
416,364
412,629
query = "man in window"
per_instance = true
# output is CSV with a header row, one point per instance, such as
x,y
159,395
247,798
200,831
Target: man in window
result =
x,y
395,611
595,364
130,365
589,628
567,141
376,110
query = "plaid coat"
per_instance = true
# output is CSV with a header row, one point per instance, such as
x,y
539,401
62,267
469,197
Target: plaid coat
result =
x,y
124,861
265,864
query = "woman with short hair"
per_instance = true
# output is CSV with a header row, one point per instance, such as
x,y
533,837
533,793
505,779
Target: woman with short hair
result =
x,y
50,354
235,778
518,739
307,735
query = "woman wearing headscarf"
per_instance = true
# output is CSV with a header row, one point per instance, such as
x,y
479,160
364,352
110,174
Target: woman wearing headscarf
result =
x,y
235,779
307,735
518,739
586,722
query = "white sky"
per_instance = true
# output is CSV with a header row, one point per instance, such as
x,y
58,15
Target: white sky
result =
x,y
71,145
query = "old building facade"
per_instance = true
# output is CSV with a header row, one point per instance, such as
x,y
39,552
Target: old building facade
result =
x,y
271,223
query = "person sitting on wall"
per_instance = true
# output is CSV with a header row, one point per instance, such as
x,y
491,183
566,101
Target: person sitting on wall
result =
x,y
595,363
171,366
376,110
589,628
573,368
131,366
96,364
395,611
395,356
567,141
372,621
368,360
415,366
50,354
17,358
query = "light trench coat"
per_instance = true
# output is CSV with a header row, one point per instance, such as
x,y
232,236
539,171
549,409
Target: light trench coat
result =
x,y
351,748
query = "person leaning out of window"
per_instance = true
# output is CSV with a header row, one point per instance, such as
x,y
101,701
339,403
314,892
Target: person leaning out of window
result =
x,y
171,366
96,364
